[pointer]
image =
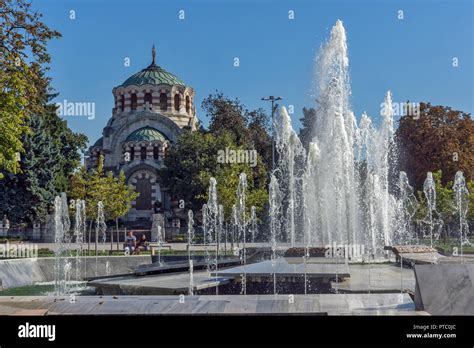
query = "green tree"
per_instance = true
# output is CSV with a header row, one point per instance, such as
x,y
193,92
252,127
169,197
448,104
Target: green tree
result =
x,y
444,199
470,188
50,153
307,123
96,185
248,128
23,53
193,160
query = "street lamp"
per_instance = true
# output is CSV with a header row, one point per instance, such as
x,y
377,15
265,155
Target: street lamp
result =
x,y
273,99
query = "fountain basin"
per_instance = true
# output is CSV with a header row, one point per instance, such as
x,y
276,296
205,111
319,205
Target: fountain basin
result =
x,y
321,304
29,271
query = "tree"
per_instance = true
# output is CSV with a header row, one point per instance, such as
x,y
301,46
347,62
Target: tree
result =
x,y
226,115
118,196
193,160
444,200
445,204
23,39
306,130
259,130
51,151
248,128
440,139
96,186
470,188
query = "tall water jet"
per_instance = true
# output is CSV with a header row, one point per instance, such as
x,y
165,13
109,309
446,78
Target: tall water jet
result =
x,y
253,223
234,226
242,224
311,201
211,226
100,226
80,228
310,206
346,192
432,219
337,214
220,228
190,242
65,220
289,172
157,229
274,197
380,168
100,232
408,205
461,203
374,148
62,265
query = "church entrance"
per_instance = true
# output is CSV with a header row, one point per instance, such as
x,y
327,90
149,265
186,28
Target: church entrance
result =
x,y
143,187
145,182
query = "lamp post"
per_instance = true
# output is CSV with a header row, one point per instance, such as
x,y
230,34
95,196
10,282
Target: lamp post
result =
x,y
273,99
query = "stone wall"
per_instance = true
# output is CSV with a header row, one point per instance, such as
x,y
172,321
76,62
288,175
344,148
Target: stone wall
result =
x,y
22,272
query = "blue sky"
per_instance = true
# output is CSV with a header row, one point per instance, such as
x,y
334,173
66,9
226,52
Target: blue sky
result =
x,y
411,57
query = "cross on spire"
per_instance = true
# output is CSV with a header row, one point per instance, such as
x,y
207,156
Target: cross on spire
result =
x,y
153,54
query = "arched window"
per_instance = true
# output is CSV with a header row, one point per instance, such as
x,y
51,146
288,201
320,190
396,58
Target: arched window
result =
x,y
156,152
163,102
148,99
188,104
134,101
143,153
176,102
122,102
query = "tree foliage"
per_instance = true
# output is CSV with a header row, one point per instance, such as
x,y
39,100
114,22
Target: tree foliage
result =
x,y
249,128
193,160
306,130
23,53
96,185
440,139
445,205
51,152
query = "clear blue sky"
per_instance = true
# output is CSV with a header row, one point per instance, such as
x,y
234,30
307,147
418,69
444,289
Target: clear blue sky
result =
x,y
412,57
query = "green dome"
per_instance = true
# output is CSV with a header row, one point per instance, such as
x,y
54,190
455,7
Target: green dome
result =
x,y
99,142
153,75
146,134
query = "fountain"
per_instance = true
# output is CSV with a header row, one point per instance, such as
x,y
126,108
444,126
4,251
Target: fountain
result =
x,y
339,191
157,228
253,223
289,174
234,224
190,242
101,227
274,196
220,228
407,207
461,200
338,194
62,265
242,224
432,219
211,227
80,228
100,232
